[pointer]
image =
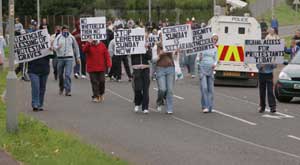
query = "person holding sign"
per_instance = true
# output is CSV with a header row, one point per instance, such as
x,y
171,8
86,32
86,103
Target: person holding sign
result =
x,y
141,79
38,71
165,74
66,49
207,65
97,62
266,84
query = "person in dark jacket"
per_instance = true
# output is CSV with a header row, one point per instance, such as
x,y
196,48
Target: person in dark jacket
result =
x,y
266,85
97,61
38,71
141,79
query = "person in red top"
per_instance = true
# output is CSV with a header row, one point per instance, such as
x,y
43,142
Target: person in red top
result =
x,y
97,62
76,34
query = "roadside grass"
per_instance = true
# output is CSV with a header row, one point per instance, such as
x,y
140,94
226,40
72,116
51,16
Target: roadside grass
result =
x,y
285,15
36,144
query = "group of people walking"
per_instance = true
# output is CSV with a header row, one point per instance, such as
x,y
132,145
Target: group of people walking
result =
x,y
97,58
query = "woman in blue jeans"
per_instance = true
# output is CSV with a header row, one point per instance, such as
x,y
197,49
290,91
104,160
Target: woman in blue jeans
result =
x,y
208,62
165,74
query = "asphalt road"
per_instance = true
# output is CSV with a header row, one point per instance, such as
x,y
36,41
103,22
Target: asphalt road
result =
x,y
234,134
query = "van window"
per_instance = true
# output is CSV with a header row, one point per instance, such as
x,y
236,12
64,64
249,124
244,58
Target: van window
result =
x,y
241,30
226,29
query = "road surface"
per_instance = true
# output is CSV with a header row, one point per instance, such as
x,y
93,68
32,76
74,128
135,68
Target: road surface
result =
x,y
234,134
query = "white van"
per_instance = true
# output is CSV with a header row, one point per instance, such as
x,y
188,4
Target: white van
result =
x,y
232,32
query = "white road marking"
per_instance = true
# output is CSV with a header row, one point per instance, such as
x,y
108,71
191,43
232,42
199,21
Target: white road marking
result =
x,y
282,115
219,133
294,137
227,115
271,116
236,138
234,117
250,102
119,95
178,97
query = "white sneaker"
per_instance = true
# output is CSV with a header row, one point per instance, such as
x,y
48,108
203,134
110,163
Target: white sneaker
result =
x,y
193,76
136,109
76,75
169,113
145,111
83,76
159,108
95,100
205,110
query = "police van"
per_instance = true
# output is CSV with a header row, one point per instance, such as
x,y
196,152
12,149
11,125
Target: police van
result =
x,y
232,32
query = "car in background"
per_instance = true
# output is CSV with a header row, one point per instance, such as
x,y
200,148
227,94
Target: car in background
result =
x,y
288,85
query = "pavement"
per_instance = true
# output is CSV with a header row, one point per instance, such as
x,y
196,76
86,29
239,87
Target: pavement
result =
x,y
234,134
6,159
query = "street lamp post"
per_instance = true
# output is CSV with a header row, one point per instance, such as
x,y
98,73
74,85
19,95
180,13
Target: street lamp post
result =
x,y
1,19
38,13
11,87
214,7
273,13
150,16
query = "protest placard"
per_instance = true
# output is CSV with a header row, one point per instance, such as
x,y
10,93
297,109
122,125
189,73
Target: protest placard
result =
x,y
175,36
153,39
202,41
264,51
93,27
31,46
130,41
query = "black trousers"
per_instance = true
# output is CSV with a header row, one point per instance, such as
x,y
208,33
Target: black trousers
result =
x,y
98,83
118,69
266,86
112,72
141,83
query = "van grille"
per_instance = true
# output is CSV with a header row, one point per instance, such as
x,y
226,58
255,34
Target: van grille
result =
x,y
296,78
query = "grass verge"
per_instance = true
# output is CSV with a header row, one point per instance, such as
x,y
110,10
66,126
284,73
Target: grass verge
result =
x,y
285,15
36,144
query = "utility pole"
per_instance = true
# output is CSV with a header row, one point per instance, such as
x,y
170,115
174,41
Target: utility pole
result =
x,y
273,13
38,13
1,19
11,87
150,16
214,9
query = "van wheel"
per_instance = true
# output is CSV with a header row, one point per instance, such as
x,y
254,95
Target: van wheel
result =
x,y
282,99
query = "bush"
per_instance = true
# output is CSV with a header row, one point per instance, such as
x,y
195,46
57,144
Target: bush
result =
x,y
290,2
240,12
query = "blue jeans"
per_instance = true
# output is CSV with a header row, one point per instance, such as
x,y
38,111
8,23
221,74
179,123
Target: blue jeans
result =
x,y
165,83
38,89
207,91
64,73
190,63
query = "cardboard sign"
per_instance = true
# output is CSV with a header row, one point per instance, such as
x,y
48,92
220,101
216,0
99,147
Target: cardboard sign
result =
x,y
153,39
32,46
264,51
130,41
174,36
202,41
93,27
